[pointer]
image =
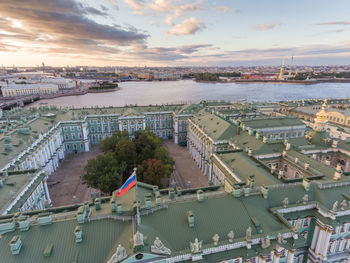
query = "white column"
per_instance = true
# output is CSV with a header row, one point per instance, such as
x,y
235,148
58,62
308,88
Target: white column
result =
x,y
326,243
315,237
320,240
291,256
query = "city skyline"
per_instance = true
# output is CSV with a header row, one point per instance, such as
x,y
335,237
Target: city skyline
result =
x,y
174,33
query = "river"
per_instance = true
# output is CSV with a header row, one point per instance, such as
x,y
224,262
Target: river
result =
x,y
188,91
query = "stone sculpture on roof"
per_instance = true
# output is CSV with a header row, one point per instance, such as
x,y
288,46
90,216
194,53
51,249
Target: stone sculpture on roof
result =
x,y
265,242
216,239
285,202
335,206
196,246
230,236
138,239
305,199
343,205
159,248
280,239
248,234
119,255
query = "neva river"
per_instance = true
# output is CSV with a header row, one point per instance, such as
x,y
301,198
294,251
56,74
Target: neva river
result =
x,y
188,91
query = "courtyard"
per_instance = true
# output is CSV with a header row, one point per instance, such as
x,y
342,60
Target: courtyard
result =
x,y
65,182
185,167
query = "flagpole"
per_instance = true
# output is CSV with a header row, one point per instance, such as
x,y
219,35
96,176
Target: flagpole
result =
x,y
138,219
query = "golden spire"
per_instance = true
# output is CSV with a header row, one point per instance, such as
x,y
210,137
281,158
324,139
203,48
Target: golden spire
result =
x,y
321,116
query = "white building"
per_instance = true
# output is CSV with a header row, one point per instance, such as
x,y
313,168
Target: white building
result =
x,y
61,82
13,90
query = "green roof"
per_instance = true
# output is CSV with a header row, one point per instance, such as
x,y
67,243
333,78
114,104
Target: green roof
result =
x,y
244,166
100,239
263,123
217,128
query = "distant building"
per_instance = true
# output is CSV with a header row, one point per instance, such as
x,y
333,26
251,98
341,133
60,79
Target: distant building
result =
x,y
13,90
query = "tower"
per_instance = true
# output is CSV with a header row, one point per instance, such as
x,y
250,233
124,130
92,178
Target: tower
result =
x,y
321,118
281,70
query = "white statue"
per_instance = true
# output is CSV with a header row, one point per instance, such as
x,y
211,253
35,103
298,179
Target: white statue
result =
x,y
280,239
296,227
335,206
285,202
230,236
216,239
265,242
196,247
159,248
138,239
248,234
343,205
119,255
305,199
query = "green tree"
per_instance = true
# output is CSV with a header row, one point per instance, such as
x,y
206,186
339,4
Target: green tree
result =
x,y
146,143
109,143
151,171
161,153
125,151
104,172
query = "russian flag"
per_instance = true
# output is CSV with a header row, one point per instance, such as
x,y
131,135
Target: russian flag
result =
x,y
127,185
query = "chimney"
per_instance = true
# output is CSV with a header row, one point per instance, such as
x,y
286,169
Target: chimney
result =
x,y
236,191
306,166
15,245
78,232
265,191
200,195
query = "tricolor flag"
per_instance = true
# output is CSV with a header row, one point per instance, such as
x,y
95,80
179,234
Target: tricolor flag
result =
x,y
128,184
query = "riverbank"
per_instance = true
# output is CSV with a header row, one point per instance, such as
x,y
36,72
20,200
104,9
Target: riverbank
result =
x,y
8,103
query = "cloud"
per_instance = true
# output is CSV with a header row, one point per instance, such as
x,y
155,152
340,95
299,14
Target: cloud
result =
x,y
187,27
167,8
138,6
225,9
265,27
65,19
342,23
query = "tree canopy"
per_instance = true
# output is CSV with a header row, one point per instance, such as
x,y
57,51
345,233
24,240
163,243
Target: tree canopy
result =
x,y
121,154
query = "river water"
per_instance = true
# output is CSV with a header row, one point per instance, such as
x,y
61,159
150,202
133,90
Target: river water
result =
x,y
188,91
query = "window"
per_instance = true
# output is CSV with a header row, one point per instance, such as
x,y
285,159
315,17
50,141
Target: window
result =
x,y
306,222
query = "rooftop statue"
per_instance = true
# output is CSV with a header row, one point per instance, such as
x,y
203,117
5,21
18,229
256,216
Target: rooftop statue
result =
x,y
335,206
265,242
285,202
119,255
230,236
248,234
280,239
216,239
138,239
159,248
196,247
305,199
297,226
343,205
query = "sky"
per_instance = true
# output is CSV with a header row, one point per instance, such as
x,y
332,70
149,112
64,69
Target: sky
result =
x,y
174,32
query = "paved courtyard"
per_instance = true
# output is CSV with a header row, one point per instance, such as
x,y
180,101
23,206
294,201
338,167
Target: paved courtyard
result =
x,y
65,182
185,167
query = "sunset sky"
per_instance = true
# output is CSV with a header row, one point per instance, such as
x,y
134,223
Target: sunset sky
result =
x,y
174,32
